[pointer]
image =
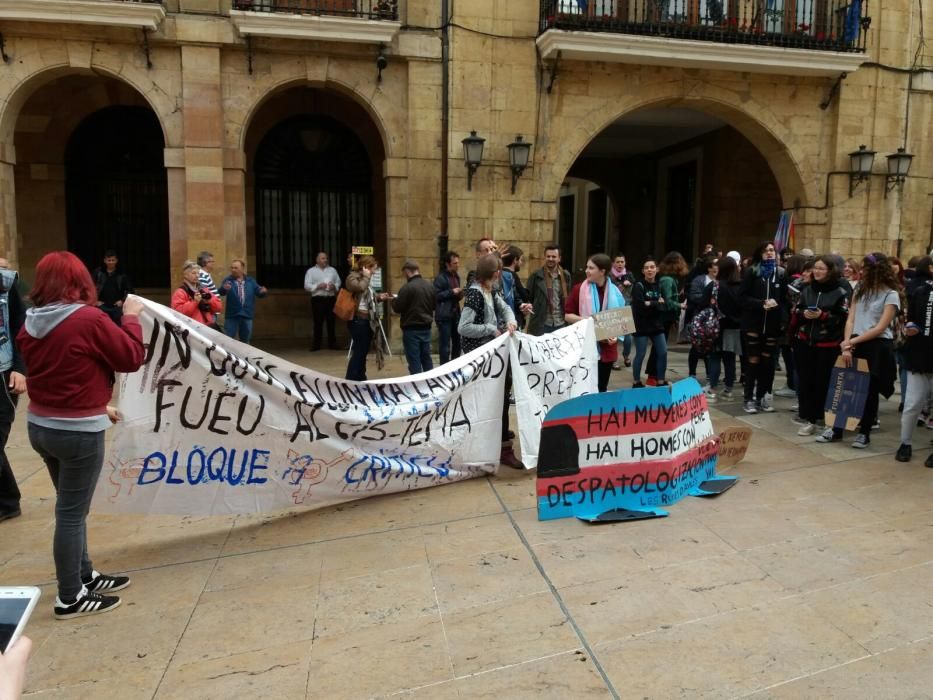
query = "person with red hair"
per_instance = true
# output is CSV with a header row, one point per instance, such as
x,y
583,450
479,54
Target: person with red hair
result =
x,y
72,349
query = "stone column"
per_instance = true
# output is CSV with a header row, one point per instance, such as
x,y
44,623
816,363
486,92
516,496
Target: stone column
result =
x,y
8,242
203,154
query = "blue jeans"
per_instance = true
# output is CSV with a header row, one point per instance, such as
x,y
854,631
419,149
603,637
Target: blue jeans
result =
x,y
659,345
626,344
237,324
447,335
716,361
417,344
74,460
361,334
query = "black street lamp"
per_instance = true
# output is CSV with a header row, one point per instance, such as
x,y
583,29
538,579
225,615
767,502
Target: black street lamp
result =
x,y
898,167
860,164
519,152
472,155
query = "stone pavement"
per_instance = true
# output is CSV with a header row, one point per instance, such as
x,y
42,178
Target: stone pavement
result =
x,y
810,578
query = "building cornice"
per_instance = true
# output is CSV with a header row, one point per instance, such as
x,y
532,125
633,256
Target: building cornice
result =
x,y
685,53
148,15
317,27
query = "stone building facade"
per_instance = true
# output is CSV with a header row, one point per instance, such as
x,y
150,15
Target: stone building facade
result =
x,y
270,129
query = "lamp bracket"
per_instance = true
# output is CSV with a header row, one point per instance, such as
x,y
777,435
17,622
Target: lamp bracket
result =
x,y
145,48
3,53
553,73
249,53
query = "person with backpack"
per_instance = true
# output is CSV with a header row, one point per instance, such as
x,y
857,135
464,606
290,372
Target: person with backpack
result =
x,y
700,297
763,294
648,313
819,318
729,344
194,301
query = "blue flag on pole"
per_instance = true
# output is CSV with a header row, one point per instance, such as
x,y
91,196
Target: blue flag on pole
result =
x,y
853,21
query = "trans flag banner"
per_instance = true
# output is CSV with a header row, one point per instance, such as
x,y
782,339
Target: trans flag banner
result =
x,y
625,455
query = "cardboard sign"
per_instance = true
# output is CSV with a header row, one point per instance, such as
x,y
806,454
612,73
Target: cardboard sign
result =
x,y
362,250
733,444
613,323
848,390
622,455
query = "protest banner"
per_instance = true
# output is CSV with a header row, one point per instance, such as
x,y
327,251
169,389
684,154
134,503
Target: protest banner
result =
x,y
214,426
546,370
621,455
614,323
733,444
848,391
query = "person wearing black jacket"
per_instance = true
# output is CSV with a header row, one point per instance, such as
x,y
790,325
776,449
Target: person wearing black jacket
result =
x,y
447,314
112,287
13,376
699,297
730,342
416,302
647,308
818,322
918,353
763,294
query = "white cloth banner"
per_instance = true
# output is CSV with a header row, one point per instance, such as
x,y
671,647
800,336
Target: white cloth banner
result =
x,y
214,426
546,370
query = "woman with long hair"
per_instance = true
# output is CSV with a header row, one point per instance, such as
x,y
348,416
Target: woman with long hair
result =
x,y
72,350
594,294
485,316
730,341
764,301
671,273
851,272
364,326
648,306
819,319
868,336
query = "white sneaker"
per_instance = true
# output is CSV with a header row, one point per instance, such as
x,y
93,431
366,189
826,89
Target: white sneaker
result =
x,y
710,395
751,407
786,393
807,429
765,404
726,395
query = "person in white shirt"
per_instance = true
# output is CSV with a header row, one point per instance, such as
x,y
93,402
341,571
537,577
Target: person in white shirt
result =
x,y
322,281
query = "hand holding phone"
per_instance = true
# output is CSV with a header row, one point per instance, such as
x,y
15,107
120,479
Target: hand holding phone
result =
x,y
16,605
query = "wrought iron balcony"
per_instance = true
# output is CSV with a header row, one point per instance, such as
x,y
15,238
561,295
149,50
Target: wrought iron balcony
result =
x,y
362,9
822,25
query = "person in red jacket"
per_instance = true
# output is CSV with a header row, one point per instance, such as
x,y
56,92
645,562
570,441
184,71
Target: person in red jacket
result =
x,y
72,349
195,301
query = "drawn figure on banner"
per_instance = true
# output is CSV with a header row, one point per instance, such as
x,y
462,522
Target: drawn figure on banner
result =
x,y
306,471
122,475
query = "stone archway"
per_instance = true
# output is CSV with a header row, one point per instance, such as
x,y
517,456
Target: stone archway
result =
x,y
51,108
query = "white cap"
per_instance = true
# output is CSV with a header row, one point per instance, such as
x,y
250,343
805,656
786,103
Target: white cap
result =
x,y
734,254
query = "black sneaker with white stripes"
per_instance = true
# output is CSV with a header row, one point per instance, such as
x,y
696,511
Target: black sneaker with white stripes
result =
x,y
102,583
87,604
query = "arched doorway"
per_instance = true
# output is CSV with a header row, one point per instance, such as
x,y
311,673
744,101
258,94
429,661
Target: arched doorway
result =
x,y
90,175
313,192
678,177
116,192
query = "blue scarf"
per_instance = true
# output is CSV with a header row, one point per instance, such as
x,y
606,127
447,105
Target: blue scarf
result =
x,y
766,268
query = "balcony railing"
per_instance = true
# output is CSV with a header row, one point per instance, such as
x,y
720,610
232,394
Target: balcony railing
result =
x,y
363,9
828,25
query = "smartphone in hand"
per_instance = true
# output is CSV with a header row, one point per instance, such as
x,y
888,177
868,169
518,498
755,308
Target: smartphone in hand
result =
x,y
16,605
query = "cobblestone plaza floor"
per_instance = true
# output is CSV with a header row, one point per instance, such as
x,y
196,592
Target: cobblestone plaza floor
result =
x,y
810,578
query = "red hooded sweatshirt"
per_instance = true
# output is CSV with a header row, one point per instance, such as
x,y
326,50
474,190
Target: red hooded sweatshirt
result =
x,y
71,353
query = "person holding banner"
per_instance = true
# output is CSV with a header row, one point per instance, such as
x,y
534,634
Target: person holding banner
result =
x,y
594,294
868,336
486,316
72,350
819,319
195,301
364,326
918,356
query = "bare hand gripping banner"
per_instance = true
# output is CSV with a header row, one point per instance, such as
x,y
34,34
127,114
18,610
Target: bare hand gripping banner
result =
x,y
213,426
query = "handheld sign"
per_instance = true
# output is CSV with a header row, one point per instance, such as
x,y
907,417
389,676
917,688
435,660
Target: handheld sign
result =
x,y
613,323
362,250
848,391
622,455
